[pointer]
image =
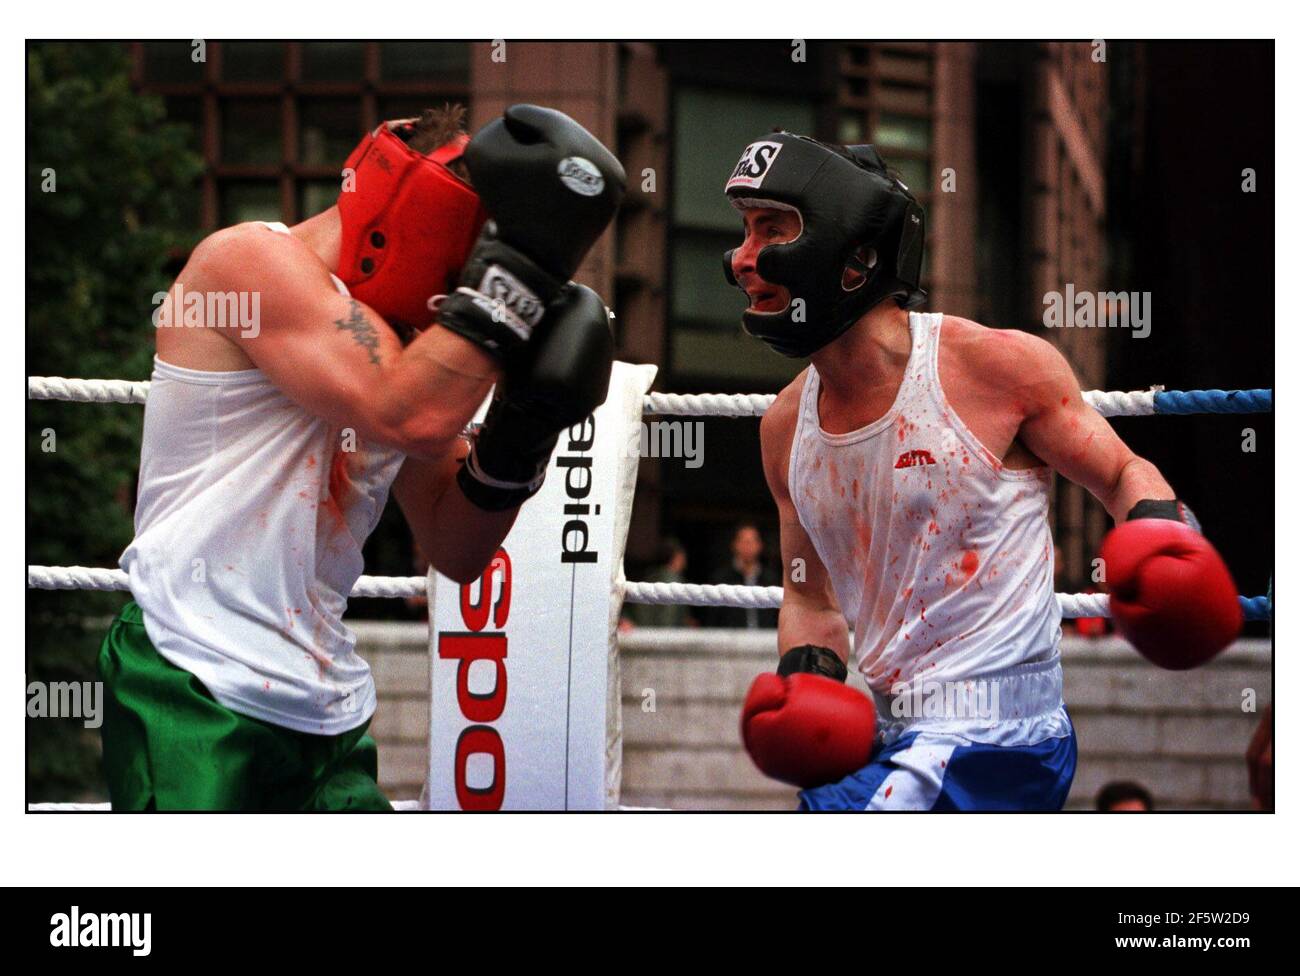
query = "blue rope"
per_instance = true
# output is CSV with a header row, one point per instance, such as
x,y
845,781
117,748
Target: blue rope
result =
x,y
1256,607
1214,401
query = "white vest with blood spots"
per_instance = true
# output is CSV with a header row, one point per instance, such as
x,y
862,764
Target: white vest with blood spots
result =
x,y
941,558
249,524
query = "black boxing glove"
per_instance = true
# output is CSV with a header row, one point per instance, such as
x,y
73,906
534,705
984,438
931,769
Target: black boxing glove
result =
x,y
565,378
551,189
502,296
549,184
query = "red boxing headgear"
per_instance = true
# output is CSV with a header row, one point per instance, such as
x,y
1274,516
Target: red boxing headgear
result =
x,y
408,224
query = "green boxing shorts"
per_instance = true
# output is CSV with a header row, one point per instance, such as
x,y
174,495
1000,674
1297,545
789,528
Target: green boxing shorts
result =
x,y
168,744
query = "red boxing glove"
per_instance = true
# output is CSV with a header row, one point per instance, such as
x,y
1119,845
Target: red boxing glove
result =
x,y
807,730
1171,595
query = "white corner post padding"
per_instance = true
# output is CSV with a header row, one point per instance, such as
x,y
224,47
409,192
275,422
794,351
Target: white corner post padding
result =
x,y
524,710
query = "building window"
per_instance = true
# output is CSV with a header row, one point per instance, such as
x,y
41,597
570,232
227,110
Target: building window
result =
x,y
242,201
710,128
253,61
275,120
341,61
251,132
886,98
170,63
328,129
418,61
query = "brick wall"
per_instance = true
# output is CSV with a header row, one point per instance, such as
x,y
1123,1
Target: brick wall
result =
x,y
1182,735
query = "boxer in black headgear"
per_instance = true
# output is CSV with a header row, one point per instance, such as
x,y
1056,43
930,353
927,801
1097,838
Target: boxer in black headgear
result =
x,y
855,217
911,465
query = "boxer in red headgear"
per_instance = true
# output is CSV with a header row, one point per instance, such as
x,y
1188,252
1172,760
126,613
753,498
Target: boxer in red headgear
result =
x,y
392,256
327,371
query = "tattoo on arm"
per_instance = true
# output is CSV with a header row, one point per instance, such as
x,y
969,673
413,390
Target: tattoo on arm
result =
x,y
363,333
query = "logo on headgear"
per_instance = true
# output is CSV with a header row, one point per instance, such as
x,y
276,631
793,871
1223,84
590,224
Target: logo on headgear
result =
x,y
581,176
754,164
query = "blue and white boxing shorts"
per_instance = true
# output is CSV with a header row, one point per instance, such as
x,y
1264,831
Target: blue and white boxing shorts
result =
x,y
1002,741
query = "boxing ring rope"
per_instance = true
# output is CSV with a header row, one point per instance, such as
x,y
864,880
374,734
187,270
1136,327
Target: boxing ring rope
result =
x,y
1108,403
399,806
89,578
1156,401
1073,605
1139,403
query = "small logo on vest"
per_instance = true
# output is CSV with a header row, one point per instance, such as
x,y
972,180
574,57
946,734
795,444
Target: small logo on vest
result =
x,y
581,176
754,165
910,459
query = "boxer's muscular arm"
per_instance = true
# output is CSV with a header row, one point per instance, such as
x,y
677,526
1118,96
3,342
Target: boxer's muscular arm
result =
x,y
810,613
336,357
1068,434
456,537
1170,593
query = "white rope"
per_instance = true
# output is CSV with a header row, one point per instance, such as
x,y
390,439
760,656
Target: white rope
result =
x,y
394,587
1074,605
1109,403
75,578
401,806
708,404
86,391
86,578
703,595
659,594
769,597
1115,403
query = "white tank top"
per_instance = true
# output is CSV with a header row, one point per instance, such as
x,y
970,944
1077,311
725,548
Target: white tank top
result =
x,y
249,524
940,557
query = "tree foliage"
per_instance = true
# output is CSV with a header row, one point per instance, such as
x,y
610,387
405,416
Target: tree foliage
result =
x,y
107,177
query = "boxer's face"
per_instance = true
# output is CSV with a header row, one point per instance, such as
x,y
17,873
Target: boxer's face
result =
x,y
763,226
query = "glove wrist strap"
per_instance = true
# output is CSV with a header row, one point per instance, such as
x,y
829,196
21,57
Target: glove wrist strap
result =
x,y
811,659
495,494
1169,508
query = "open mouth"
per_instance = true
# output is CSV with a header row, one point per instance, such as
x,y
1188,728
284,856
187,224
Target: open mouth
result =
x,y
766,300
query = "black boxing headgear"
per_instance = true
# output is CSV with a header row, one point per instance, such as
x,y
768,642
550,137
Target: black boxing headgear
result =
x,y
846,200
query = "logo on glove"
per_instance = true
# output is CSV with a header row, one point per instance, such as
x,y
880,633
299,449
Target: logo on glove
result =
x,y
509,301
581,176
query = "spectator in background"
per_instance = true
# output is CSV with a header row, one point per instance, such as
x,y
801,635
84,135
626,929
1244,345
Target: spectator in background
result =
x,y
671,568
746,569
1124,797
